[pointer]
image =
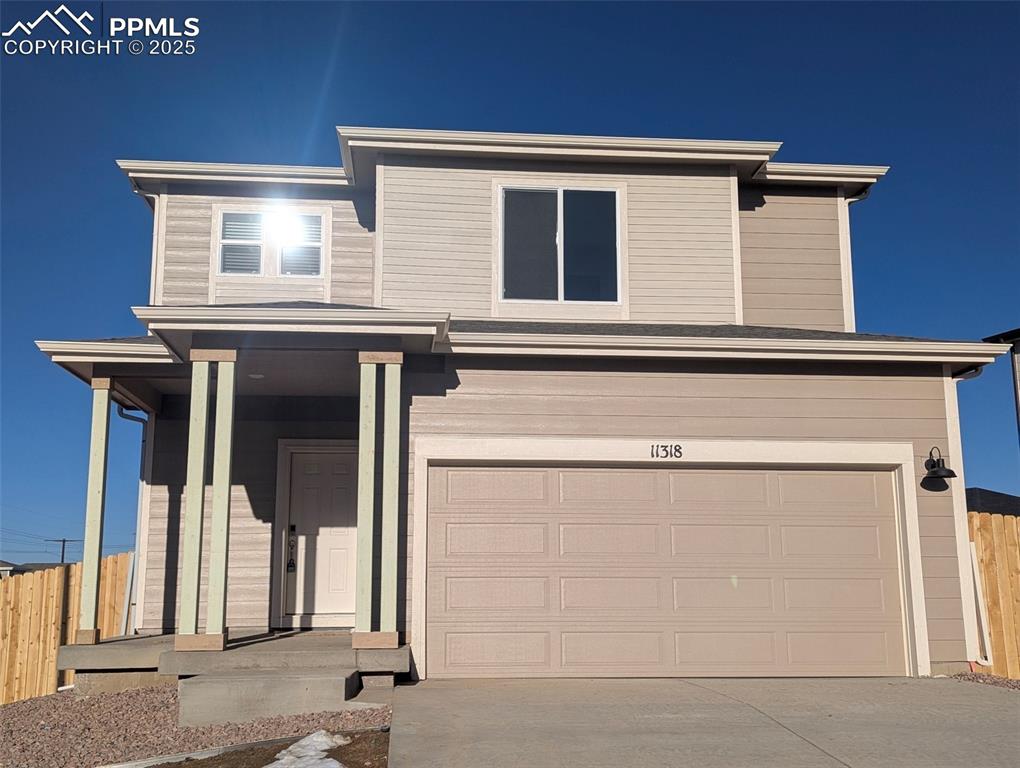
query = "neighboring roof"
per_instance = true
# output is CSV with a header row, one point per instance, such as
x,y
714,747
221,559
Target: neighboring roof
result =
x,y
984,500
1006,337
38,566
674,330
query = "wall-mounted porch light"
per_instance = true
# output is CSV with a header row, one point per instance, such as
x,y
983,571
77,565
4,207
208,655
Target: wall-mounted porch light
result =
x,y
936,466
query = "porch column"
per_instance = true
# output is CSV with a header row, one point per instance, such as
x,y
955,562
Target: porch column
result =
x,y
95,503
366,496
364,635
215,625
390,480
194,503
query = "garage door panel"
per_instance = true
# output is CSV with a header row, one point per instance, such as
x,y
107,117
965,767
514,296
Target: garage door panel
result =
x,y
617,573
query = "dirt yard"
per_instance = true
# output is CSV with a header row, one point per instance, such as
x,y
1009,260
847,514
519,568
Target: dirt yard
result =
x,y
66,731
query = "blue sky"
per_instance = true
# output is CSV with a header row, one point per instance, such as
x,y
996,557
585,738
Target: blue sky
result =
x,y
930,89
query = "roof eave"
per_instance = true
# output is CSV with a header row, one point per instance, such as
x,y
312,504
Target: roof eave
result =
x,y
143,173
854,178
964,354
369,142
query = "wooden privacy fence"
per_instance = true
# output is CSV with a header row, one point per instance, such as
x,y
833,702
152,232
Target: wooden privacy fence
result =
x,y
39,613
996,541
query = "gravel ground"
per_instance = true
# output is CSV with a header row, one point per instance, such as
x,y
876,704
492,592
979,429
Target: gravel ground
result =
x,y
66,731
1001,682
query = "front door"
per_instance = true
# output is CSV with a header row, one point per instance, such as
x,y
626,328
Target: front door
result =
x,y
322,538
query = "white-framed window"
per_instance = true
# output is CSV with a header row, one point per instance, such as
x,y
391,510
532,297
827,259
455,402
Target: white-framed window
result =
x,y
559,244
279,241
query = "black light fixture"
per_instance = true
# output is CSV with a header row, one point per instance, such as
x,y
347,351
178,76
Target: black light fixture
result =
x,y
936,466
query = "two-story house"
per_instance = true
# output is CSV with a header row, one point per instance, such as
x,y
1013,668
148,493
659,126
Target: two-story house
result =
x,y
533,405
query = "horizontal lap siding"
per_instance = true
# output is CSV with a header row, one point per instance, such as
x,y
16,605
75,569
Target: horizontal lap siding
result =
x,y
252,511
187,254
438,237
826,404
790,258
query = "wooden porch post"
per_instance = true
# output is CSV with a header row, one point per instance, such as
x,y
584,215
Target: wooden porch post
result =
x,y
390,482
386,636
366,497
95,504
191,556
216,631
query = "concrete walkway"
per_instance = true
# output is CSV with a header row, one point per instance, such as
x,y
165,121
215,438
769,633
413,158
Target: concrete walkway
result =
x,y
829,723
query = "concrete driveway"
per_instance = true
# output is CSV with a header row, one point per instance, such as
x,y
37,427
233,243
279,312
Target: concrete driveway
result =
x,y
882,722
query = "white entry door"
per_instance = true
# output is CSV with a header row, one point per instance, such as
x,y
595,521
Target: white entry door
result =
x,y
322,538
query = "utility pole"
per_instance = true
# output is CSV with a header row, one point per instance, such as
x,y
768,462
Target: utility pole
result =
x,y
63,546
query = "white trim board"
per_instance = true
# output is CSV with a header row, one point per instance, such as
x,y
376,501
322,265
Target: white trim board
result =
x,y
958,489
285,449
897,457
845,261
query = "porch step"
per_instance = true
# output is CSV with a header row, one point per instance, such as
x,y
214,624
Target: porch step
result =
x,y
185,663
243,695
215,662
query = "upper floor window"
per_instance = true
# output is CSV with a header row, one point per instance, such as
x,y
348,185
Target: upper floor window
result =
x,y
560,245
278,241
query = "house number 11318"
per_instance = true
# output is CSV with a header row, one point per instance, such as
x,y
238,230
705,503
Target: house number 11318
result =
x,y
667,451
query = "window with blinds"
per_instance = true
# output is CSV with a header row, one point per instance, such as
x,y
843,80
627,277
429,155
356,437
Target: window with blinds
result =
x,y
303,257
279,242
241,244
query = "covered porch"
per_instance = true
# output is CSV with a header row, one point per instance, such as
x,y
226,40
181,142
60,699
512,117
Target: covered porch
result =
x,y
271,494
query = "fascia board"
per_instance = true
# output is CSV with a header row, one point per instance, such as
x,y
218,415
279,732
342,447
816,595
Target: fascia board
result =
x,y
941,352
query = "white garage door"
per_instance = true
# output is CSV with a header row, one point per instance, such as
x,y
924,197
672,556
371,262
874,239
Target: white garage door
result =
x,y
644,572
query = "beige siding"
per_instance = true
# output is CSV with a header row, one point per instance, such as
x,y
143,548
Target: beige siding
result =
x,y
478,396
809,403
187,255
790,258
252,510
439,236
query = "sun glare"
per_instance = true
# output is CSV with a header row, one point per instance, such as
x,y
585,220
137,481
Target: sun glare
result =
x,y
283,227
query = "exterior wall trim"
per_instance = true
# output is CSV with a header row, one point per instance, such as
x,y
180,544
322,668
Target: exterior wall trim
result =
x,y
898,457
958,488
845,261
738,280
285,449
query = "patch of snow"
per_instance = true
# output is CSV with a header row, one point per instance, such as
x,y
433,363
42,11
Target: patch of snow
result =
x,y
310,752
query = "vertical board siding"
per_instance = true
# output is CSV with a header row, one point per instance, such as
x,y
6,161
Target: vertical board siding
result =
x,y
997,541
790,258
39,613
440,237
187,255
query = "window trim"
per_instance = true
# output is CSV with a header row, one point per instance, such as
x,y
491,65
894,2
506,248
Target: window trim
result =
x,y
221,241
271,256
550,309
304,244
